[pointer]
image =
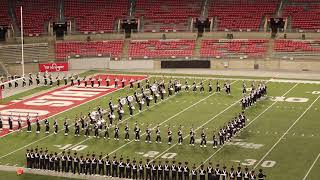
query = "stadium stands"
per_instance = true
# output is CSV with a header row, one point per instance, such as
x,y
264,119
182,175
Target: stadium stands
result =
x,y
233,48
35,15
96,48
304,16
297,48
4,17
167,15
241,15
95,15
161,48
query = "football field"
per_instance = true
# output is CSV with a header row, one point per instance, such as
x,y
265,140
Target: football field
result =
x,y
281,136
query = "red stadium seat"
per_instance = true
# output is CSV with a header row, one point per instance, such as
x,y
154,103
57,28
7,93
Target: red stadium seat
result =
x,y
233,48
241,15
4,17
96,15
161,48
88,49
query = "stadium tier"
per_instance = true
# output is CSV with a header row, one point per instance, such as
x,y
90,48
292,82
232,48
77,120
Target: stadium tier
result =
x,y
161,48
4,16
65,50
234,48
304,16
241,15
36,14
88,14
167,15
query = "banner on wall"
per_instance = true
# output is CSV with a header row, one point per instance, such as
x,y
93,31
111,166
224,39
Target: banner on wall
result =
x,y
53,67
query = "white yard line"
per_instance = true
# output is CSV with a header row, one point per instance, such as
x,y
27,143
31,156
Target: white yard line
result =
x,y
45,137
314,162
165,121
295,122
249,123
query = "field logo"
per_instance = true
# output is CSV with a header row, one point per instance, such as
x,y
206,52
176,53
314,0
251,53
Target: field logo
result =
x,y
289,99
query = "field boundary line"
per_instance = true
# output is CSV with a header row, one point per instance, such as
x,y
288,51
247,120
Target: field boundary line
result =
x,y
33,142
314,162
295,122
250,123
166,120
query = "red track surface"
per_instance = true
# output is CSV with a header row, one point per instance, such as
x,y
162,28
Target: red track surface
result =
x,y
58,100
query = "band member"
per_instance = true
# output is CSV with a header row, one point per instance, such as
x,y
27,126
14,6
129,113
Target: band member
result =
x,y
137,132
128,169
202,172
38,79
78,80
100,165
148,135
123,82
115,167
166,169
158,138
66,127
194,86
154,170
218,89
203,139
217,171
92,79
224,173
85,81
88,165
239,173
96,131
169,136
134,169
160,171
201,87
180,171
65,78
30,79
77,128
1,123
38,125
252,175
107,81
131,83
260,175
56,162
93,164
232,174
121,168
116,132
24,83
215,141
174,171
192,137
141,170
72,80
186,86
87,129
116,80
63,162
55,126
50,80
131,108
106,131
99,81
76,164
19,124
180,138
28,124
10,119
148,170
210,171
194,172
69,162
246,174
186,171
126,131
108,166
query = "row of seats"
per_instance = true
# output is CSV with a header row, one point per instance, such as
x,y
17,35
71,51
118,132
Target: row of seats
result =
x,y
65,50
4,16
95,15
306,17
233,48
167,14
241,15
35,15
297,46
161,48
184,48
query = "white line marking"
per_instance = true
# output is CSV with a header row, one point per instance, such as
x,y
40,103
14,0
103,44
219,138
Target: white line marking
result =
x,y
286,133
314,162
249,124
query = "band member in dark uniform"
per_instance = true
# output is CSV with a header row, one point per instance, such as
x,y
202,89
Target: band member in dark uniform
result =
x,y
93,164
194,172
115,167
116,80
121,168
28,124
169,135
180,171
180,138
69,162
56,162
186,171
128,169
78,80
82,164
173,171
107,81
10,123
55,126
192,138
210,171
134,169
88,165
148,170
1,123
123,82
166,169
218,89
202,172
66,127
108,166
47,125
160,171
76,164
63,162
116,132
131,83
158,138
203,139
38,126
260,175
154,170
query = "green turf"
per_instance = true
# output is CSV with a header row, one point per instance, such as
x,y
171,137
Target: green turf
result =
x,y
290,158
